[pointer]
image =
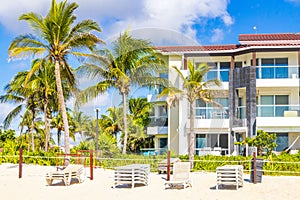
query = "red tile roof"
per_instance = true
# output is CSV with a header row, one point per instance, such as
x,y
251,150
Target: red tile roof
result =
x,y
246,40
196,48
268,37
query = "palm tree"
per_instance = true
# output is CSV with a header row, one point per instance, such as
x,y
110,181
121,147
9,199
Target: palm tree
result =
x,y
57,123
43,81
140,110
194,87
112,123
26,98
56,37
131,62
81,123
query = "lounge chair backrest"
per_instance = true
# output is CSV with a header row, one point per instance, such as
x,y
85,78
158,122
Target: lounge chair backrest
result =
x,y
181,171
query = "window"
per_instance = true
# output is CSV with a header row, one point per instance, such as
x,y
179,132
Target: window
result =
x,y
282,141
213,72
273,105
224,71
273,68
200,140
238,64
208,111
163,142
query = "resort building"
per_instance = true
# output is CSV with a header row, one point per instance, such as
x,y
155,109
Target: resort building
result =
x,y
260,91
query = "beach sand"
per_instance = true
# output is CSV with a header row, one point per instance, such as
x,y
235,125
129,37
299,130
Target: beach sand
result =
x,y
33,186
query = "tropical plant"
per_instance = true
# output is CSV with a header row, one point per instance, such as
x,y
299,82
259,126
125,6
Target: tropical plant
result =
x,y
25,98
131,62
262,141
140,109
55,37
57,123
194,87
82,123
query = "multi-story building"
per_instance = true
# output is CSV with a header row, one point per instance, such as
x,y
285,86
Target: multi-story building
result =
x,y
260,91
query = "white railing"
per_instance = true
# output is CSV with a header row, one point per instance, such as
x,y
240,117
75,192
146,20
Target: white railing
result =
x,y
211,113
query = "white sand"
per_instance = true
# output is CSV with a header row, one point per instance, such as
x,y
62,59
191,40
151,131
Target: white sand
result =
x,y
33,186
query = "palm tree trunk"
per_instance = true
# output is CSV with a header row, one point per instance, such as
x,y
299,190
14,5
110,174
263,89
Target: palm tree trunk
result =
x,y
47,130
125,123
62,107
31,131
192,135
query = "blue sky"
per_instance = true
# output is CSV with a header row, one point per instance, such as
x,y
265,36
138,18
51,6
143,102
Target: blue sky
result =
x,y
164,22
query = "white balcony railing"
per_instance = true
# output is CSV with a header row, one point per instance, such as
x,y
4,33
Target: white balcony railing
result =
x,y
211,113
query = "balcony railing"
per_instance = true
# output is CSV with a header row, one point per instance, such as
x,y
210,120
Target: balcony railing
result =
x,y
276,72
270,111
158,121
275,110
211,113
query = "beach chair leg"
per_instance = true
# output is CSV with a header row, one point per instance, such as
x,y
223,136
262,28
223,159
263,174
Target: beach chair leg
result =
x,y
49,181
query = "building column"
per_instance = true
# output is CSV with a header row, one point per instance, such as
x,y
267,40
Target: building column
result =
x,y
232,98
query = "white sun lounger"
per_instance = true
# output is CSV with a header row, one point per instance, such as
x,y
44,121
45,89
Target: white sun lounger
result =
x,y
181,176
66,175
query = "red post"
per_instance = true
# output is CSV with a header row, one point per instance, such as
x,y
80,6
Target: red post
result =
x,y
168,166
20,162
254,168
91,165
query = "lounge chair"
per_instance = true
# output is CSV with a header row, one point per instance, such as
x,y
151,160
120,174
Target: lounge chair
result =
x,y
66,175
181,176
162,165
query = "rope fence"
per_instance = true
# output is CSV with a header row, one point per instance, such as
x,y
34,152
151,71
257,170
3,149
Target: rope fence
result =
x,y
267,167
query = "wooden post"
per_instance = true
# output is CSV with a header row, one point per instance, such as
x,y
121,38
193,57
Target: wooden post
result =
x,y
91,165
254,168
168,166
20,162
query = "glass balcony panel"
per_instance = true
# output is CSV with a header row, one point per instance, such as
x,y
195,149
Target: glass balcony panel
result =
x,y
281,72
267,72
224,76
274,72
266,111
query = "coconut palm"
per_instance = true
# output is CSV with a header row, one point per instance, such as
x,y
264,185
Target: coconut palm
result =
x,y
81,123
26,99
131,62
194,87
55,37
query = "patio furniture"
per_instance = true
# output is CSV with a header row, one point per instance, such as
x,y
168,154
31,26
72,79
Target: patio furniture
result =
x,y
132,175
66,175
230,175
162,165
181,176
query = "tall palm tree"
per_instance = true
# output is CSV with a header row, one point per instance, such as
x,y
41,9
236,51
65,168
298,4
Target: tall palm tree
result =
x,y
43,80
56,37
131,62
194,87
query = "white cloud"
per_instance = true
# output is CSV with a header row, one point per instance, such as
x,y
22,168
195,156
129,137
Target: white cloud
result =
x,y
116,16
218,35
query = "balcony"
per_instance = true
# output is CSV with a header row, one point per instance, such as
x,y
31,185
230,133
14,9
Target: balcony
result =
x,y
211,113
272,111
158,125
277,76
277,110
276,72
